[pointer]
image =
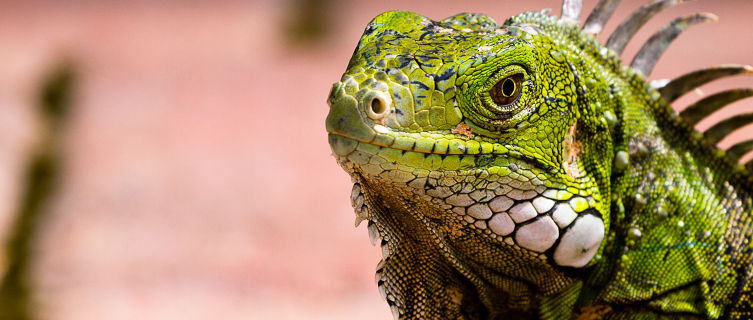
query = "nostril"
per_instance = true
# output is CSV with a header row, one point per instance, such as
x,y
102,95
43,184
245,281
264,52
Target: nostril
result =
x,y
378,107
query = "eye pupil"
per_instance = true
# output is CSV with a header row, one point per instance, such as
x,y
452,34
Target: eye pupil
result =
x,y
507,90
508,87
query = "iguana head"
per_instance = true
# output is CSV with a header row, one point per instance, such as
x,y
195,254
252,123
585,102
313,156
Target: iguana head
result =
x,y
491,161
481,134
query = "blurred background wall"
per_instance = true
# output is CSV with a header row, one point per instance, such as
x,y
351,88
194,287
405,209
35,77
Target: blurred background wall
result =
x,y
197,182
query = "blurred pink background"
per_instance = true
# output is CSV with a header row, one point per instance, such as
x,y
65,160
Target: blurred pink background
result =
x,y
198,181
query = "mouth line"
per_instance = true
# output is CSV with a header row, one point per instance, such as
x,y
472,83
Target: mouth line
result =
x,y
415,142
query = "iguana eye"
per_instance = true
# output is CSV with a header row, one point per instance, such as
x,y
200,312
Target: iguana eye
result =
x,y
507,90
493,98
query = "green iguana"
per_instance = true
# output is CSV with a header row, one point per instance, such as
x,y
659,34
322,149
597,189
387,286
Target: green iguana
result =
x,y
521,171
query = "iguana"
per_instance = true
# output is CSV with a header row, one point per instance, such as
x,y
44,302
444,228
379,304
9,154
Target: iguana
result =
x,y
521,171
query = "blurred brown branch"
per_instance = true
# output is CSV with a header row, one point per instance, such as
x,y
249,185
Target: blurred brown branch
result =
x,y
41,179
308,22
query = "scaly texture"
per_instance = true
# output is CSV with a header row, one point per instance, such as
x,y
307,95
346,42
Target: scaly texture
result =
x,y
522,172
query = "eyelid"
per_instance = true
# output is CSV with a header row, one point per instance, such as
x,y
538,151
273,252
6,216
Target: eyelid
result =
x,y
503,73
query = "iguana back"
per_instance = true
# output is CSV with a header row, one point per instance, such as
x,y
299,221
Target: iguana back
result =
x,y
522,171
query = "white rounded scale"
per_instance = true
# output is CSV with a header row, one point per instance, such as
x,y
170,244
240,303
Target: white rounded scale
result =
x,y
542,204
480,211
564,215
501,224
538,236
579,245
501,203
523,212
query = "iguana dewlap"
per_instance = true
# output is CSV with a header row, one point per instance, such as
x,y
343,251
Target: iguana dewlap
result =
x,y
521,171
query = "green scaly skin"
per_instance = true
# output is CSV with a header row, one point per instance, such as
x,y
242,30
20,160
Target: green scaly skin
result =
x,y
587,198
